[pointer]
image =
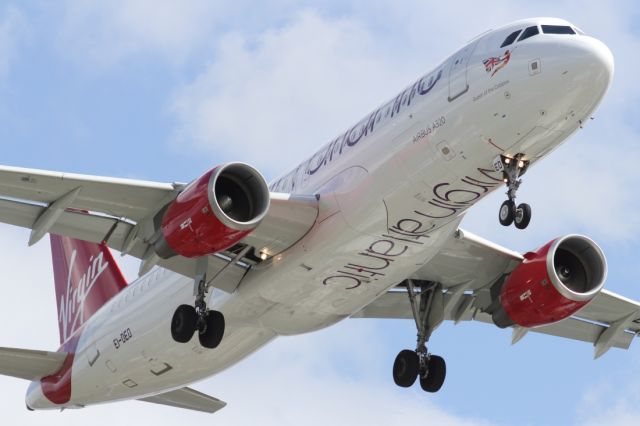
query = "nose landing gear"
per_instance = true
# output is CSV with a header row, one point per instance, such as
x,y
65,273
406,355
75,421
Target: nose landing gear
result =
x,y
420,364
512,169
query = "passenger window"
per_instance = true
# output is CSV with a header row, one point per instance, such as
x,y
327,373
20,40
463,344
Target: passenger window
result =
x,y
557,29
529,32
510,38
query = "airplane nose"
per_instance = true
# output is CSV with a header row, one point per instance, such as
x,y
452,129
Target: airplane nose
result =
x,y
592,63
600,62
579,72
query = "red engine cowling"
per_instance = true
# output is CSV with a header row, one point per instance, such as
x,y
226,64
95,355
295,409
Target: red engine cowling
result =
x,y
552,283
213,212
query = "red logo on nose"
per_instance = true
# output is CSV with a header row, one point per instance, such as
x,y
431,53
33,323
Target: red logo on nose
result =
x,y
494,64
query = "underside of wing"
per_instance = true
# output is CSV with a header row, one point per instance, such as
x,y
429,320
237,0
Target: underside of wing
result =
x,y
29,364
467,276
467,259
189,399
148,219
112,196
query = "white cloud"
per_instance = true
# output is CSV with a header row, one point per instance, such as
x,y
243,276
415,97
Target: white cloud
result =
x,y
27,286
271,99
622,415
107,33
613,405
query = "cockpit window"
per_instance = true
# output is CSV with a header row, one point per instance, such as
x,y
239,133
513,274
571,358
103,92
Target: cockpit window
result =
x,y
529,32
557,29
510,38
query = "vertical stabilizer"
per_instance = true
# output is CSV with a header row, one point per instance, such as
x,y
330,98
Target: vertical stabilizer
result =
x,y
86,277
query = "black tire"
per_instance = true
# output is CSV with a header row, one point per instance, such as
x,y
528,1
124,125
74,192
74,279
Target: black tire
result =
x,y
507,213
211,334
183,323
435,376
405,368
522,216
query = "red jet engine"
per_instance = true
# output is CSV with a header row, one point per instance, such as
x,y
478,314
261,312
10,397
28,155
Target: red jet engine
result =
x,y
552,283
214,212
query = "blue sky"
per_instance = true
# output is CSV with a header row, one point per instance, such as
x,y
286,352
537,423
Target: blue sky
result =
x,y
165,90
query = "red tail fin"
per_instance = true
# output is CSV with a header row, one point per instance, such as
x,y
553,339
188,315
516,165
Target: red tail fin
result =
x,y
86,277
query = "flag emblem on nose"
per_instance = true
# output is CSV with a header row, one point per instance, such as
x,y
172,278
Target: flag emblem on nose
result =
x,y
495,63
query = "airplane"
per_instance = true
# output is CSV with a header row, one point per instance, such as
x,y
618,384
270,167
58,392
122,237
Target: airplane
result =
x,y
367,227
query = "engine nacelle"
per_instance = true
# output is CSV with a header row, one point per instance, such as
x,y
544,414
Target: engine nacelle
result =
x,y
214,212
552,283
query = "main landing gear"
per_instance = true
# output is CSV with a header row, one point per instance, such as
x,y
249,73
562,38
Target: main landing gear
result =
x,y
420,364
187,319
512,169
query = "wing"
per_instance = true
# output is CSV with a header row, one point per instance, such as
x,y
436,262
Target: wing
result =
x,y
28,364
116,197
189,399
122,211
467,266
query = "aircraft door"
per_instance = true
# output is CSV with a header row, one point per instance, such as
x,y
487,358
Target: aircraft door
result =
x,y
458,84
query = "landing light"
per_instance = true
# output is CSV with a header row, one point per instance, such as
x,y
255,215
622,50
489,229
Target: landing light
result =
x,y
507,160
263,255
521,164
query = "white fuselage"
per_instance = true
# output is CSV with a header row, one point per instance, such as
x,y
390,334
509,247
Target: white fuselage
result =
x,y
392,189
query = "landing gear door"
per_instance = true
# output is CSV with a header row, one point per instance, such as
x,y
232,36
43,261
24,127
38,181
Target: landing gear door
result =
x,y
458,84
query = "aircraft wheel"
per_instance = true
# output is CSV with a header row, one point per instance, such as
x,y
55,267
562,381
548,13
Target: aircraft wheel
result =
x,y
507,213
212,331
437,371
522,216
183,323
405,368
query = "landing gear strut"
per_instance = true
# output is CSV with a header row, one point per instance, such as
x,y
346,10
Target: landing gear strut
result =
x,y
512,169
420,364
187,319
